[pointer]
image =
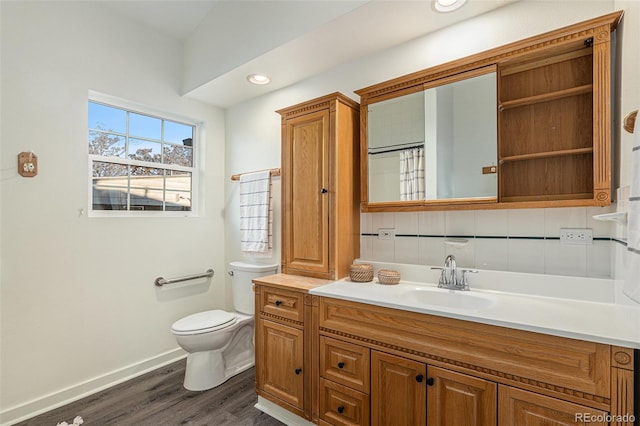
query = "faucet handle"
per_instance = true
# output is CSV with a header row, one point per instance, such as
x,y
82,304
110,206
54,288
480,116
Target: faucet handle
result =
x,y
442,280
463,280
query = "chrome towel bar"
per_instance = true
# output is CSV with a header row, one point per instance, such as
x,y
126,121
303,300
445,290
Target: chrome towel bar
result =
x,y
162,281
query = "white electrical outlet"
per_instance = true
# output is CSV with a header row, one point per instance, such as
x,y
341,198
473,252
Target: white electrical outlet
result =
x,y
576,235
386,233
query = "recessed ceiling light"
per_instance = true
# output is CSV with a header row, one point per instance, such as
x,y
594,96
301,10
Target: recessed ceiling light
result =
x,y
447,5
258,79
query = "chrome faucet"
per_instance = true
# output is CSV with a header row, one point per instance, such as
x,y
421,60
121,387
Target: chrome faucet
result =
x,y
449,275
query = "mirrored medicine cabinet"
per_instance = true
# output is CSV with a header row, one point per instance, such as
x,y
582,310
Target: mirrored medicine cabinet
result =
x,y
523,125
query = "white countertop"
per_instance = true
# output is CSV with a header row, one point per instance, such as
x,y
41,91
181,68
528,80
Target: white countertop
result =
x,y
584,319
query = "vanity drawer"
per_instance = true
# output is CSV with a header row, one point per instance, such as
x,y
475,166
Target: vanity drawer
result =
x,y
282,303
342,406
345,363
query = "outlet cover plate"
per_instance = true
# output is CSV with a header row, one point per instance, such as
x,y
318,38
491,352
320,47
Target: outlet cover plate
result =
x,y
576,236
386,233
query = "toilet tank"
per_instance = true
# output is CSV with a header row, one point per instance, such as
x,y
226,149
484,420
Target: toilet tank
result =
x,y
241,286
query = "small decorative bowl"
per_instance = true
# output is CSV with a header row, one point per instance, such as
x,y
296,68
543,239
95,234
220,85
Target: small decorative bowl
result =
x,y
388,276
361,272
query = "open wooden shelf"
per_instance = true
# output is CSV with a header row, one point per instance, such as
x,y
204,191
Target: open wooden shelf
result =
x,y
547,154
546,97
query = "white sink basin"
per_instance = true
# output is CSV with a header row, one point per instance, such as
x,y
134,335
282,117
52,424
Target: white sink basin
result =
x,y
449,298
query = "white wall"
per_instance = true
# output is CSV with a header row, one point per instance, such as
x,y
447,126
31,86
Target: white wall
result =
x,y
78,302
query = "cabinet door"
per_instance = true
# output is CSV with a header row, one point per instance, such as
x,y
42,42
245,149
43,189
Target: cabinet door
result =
x,y
398,391
456,399
280,362
518,407
305,176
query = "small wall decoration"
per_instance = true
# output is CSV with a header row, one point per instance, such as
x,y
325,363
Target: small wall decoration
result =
x,y
27,164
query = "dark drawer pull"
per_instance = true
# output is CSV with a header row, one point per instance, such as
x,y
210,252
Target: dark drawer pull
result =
x,y
419,378
341,409
430,381
341,364
298,370
278,302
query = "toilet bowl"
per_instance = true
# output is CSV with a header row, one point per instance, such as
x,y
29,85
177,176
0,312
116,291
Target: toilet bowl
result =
x,y
220,343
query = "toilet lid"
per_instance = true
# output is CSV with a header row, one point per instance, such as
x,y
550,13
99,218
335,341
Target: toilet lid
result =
x,y
203,322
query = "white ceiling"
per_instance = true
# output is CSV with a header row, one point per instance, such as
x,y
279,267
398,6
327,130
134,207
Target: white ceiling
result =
x,y
291,45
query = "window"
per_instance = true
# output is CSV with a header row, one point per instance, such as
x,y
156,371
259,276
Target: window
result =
x,y
140,162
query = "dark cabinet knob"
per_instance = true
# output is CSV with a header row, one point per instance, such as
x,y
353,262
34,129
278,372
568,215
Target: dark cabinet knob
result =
x,y
278,302
298,370
341,409
419,378
324,191
430,381
341,364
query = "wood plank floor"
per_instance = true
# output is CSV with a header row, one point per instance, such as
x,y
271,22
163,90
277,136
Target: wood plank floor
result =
x,y
159,399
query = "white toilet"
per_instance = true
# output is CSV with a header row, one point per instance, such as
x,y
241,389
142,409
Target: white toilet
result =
x,y
220,343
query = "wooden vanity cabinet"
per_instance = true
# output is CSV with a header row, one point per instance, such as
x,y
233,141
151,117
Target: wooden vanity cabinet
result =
x,y
286,345
281,371
437,371
320,187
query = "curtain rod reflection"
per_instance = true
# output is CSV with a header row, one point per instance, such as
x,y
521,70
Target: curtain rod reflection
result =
x,y
374,151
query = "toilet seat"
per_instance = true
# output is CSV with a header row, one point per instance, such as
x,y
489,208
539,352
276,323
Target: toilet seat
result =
x,y
204,322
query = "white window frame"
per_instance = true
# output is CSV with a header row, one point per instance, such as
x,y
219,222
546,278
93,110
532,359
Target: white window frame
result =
x,y
195,170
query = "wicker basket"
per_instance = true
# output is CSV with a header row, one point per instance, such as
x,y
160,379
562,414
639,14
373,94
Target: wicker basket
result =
x,y
361,272
388,276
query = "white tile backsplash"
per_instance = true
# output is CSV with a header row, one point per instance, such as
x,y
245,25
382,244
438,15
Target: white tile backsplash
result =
x,y
525,223
565,259
381,220
572,217
406,223
431,251
491,222
600,259
521,240
407,250
460,222
492,253
431,223
525,255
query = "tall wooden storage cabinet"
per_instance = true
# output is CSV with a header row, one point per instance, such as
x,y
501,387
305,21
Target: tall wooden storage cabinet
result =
x,y
320,187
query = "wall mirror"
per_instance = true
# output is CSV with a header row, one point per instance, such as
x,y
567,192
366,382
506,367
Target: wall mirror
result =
x,y
439,143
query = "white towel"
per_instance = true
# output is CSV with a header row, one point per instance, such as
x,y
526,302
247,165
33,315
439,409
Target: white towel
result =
x,y
632,283
256,215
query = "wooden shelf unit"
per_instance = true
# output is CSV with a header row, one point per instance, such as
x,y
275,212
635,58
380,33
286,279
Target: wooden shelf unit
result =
x,y
546,127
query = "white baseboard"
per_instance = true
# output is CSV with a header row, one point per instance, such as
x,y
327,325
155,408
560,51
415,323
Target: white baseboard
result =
x,y
279,413
27,410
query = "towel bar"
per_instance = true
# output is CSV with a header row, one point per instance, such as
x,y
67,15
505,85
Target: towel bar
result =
x,y
162,281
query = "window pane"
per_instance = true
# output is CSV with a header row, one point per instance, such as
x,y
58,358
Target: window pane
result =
x,y
178,201
103,117
110,186
107,144
145,126
178,155
144,150
178,133
115,172
147,188
146,199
